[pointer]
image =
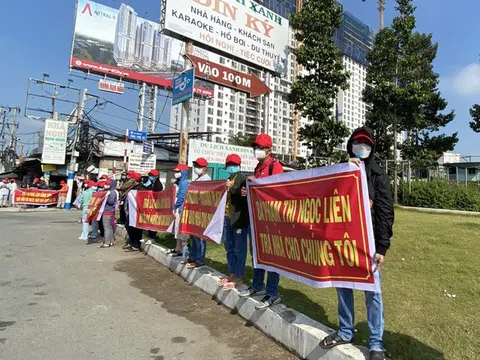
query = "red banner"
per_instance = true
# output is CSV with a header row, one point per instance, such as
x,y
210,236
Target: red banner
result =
x,y
96,206
314,226
151,210
35,197
204,210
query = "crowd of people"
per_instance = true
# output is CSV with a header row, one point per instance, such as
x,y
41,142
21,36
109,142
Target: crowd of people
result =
x,y
7,190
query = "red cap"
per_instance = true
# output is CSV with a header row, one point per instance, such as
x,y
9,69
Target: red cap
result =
x,y
233,159
201,162
136,176
5,180
130,173
104,176
108,182
62,182
36,180
181,167
101,184
363,135
263,141
154,172
12,180
91,184
87,181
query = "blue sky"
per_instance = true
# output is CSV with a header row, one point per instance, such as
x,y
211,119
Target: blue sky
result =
x,y
35,38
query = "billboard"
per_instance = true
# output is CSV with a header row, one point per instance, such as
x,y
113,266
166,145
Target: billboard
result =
x,y
142,163
120,44
241,28
54,142
216,153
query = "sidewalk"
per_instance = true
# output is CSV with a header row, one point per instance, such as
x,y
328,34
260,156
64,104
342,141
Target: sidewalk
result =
x,y
24,209
297,332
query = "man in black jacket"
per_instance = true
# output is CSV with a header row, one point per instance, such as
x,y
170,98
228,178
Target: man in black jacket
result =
x,y
361,147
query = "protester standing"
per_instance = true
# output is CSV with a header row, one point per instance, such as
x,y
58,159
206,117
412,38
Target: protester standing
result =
x,y
236,224
12,187
62,195
361,148
181,176
84,201
135,234
153,183
126,187
4,192
267,166
108,212
123,180
199,246
35,184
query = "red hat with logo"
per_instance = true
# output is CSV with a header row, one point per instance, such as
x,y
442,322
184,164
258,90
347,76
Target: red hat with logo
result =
x,y
233,159
136,176
363,135
104,176
263,141
201,162
181,167
62,182
154,172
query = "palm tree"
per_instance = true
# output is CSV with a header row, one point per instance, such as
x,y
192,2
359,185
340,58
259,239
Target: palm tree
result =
x,y
241,140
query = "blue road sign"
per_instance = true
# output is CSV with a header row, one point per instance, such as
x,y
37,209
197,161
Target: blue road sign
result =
x,y
148,147
137,135
183,87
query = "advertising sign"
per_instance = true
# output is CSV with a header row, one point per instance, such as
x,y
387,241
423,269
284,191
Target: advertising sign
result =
x,y
142,163
315,226
137,135
225,76
204,210
35,197
241,28
151,210
183,87
111,86
217,153
148,147
54,142
122,45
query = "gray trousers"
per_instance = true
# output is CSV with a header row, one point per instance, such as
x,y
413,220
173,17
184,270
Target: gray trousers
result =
x,y
108,235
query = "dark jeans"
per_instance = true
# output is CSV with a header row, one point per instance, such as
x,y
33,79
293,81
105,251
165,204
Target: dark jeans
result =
x,y
258,282
198,251
135,235
123,216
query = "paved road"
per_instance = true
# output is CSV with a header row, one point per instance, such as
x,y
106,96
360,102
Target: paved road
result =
x,y
61,299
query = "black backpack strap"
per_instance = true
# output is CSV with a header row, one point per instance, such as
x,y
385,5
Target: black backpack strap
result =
x,y
270,167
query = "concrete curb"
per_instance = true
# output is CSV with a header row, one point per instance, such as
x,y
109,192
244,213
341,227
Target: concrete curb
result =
x,y
440,211
297,332
17,210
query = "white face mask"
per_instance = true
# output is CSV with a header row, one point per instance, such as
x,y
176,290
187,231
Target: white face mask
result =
x,y
178,175
106,187
198,171
362,150
259,154
94,188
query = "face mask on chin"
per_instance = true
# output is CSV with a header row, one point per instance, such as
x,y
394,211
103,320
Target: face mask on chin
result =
x,y
178,175
260,154
362,150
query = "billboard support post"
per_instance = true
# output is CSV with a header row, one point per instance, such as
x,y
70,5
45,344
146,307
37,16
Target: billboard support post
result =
x,y
141,106
152,109
73,157
125,152
185,111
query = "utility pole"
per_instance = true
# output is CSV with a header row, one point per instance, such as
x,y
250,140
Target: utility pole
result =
x,y
381,13
73,158
182,156
141,106
13,141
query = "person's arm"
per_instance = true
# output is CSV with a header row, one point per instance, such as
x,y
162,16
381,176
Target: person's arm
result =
x,y
240,181
277,168
384,215
112,196
182,191
157,185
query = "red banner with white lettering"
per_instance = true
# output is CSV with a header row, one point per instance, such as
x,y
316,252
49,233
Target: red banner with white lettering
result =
x,y
204,210
151,210
96,206
314,226
35,197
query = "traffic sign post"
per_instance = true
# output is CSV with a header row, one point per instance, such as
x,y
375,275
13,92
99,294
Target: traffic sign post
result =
x,y
148,147
137,135
183,87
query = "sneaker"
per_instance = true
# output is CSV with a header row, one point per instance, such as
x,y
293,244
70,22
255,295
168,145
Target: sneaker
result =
x,y
252,292
142,240
377,355
148,242
268,301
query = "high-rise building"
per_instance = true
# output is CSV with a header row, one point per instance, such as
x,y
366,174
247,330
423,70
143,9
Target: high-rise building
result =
x,y
125,33
281,7
144,44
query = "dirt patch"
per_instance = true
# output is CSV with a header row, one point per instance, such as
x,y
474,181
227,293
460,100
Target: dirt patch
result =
x,y
181,299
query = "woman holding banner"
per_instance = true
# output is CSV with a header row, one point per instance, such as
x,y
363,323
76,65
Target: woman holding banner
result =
x,y
236,224
181,174
109,212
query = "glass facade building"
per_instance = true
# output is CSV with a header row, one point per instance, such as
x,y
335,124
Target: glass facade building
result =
x,y
281,7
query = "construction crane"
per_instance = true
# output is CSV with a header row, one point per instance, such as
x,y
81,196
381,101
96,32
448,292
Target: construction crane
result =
x,y
381,12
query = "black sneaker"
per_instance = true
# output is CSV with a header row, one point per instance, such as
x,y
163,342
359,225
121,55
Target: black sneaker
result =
x,y
377,355
268,301
251,292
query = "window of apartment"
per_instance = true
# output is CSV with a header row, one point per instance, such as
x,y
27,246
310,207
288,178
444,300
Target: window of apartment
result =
x,y
232,116
218,140
210,120
232,124
219,122
222,60
219,113
240,126
220,104
220,95
209,129
211,102
241,101
210,111
241,109
241,118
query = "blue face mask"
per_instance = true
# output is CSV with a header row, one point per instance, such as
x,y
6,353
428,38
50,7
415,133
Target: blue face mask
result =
x,y
151,178
147,183
232,169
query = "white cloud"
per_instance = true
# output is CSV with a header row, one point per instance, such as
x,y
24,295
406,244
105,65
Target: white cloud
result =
x,y
467,80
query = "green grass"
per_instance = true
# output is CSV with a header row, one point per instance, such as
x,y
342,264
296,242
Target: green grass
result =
x,y
430,253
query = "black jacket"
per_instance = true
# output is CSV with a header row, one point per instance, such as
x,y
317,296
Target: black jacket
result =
x,y
238,203
380,194
156,185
